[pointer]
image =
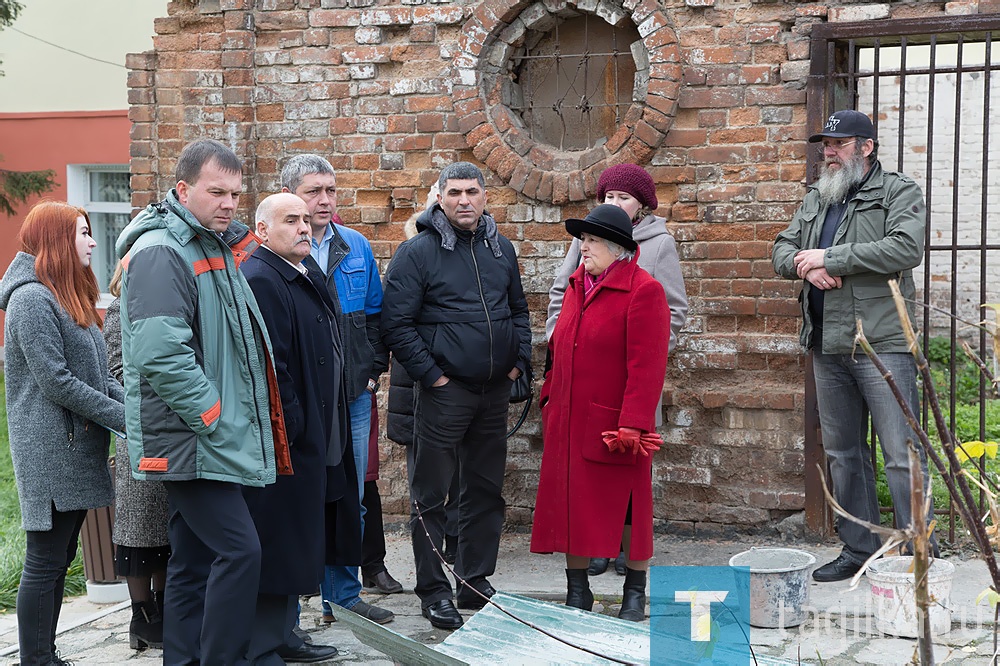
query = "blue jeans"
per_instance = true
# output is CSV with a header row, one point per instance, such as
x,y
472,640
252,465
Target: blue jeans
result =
x,y
844,385
341,584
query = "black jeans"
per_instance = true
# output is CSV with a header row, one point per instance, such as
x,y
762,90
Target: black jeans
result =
x,y
456,426
40,594
212,575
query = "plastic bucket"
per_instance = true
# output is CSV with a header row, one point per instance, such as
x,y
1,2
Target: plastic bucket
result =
x,y
893,596
777,587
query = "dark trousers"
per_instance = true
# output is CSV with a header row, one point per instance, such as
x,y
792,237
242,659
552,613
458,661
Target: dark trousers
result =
x,y
40,595
459,427
272,628
373,539
212,575
450,504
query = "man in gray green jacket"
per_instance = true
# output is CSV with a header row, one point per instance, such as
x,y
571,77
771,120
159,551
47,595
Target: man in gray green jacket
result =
x,y
858,228
202,411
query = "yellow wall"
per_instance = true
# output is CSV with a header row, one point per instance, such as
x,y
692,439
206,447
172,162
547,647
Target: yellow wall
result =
x,y
43,78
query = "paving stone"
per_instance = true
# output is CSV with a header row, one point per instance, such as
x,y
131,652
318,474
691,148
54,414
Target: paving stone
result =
x,y
813,647
895,651
838,627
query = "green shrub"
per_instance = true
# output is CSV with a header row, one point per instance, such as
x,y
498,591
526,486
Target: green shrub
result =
x,y
967,375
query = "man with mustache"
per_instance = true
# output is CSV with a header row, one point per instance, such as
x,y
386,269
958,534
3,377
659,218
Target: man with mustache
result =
x,y
290,515
858,227
456,318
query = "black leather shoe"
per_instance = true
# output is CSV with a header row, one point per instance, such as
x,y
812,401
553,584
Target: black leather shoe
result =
x,y
307,654
382,582
598,565
443,614
373,613
471,601
840,569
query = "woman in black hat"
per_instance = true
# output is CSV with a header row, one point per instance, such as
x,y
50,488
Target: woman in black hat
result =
x,y
631,188
609,358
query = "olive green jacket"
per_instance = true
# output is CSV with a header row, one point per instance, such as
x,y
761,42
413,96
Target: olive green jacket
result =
x,y
880,238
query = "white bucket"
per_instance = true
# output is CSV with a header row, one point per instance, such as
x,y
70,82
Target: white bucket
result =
x,y
777,589
893,596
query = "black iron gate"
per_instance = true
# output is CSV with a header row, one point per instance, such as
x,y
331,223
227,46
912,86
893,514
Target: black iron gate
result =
x,y
929,86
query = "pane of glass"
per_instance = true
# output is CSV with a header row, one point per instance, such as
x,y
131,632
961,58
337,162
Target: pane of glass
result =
x,y
111,186
106,227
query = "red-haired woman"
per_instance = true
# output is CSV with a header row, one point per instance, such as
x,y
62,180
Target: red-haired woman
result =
x,y
61,401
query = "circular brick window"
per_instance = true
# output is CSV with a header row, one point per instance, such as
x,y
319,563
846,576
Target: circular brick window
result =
x,y
552,93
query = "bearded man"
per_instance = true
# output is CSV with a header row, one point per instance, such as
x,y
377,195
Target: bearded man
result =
x,y
857,228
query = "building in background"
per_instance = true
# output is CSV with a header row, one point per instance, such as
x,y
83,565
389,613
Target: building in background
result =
x,y
64,106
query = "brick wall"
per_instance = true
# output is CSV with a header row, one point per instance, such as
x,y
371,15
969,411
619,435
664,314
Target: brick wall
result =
x,y
389,92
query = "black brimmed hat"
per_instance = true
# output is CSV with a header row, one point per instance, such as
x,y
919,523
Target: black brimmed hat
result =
x,y
608,222
844,124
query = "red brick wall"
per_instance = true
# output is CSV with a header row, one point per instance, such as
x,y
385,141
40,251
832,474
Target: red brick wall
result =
x,y
388,92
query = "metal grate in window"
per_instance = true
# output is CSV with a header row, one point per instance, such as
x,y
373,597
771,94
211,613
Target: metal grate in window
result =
x,y
573,85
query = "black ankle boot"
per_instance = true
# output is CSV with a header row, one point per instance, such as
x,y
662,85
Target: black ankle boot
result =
x,y
146,628
158,600
578,594
633,596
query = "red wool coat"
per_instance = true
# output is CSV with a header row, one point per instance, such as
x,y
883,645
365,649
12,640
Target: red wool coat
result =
x,y
609,359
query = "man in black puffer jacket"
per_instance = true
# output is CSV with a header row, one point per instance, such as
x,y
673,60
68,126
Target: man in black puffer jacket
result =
x,y
455,316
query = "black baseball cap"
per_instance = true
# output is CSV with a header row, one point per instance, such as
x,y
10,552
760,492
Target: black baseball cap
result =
x,y
847,123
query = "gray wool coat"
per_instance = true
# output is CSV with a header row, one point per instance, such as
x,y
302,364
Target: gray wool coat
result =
x,y
60,400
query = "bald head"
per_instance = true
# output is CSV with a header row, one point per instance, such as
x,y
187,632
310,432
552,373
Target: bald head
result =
x,y
283,225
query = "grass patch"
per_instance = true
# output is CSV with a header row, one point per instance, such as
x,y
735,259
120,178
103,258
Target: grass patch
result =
x,y
11,534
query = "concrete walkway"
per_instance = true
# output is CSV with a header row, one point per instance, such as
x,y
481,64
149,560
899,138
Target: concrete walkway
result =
x,y
839,628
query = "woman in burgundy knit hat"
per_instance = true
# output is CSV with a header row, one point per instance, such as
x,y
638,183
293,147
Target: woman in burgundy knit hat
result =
x,y
631,188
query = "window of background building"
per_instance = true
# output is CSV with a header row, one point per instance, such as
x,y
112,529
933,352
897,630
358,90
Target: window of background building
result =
x,y
103,190
573,85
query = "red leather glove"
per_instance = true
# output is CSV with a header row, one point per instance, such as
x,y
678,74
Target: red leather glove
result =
x,y
629,439
626,440
610,438
650,441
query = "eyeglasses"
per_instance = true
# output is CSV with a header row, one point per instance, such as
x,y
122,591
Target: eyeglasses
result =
x,y
836,145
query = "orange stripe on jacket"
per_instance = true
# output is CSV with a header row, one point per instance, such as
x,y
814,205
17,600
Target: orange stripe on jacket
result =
x,y
152,464
210,264
245,247
210,415
282,454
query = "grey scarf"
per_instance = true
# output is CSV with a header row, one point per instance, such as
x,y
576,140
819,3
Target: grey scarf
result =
x,y
439,221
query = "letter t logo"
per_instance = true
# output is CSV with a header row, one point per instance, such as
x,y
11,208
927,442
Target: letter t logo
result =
x,y
701,611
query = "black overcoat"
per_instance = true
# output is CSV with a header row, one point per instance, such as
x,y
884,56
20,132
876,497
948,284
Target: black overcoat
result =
x,y
291,515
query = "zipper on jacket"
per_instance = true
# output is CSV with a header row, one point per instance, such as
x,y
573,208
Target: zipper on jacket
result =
x,y
230,277
68,418
482,299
